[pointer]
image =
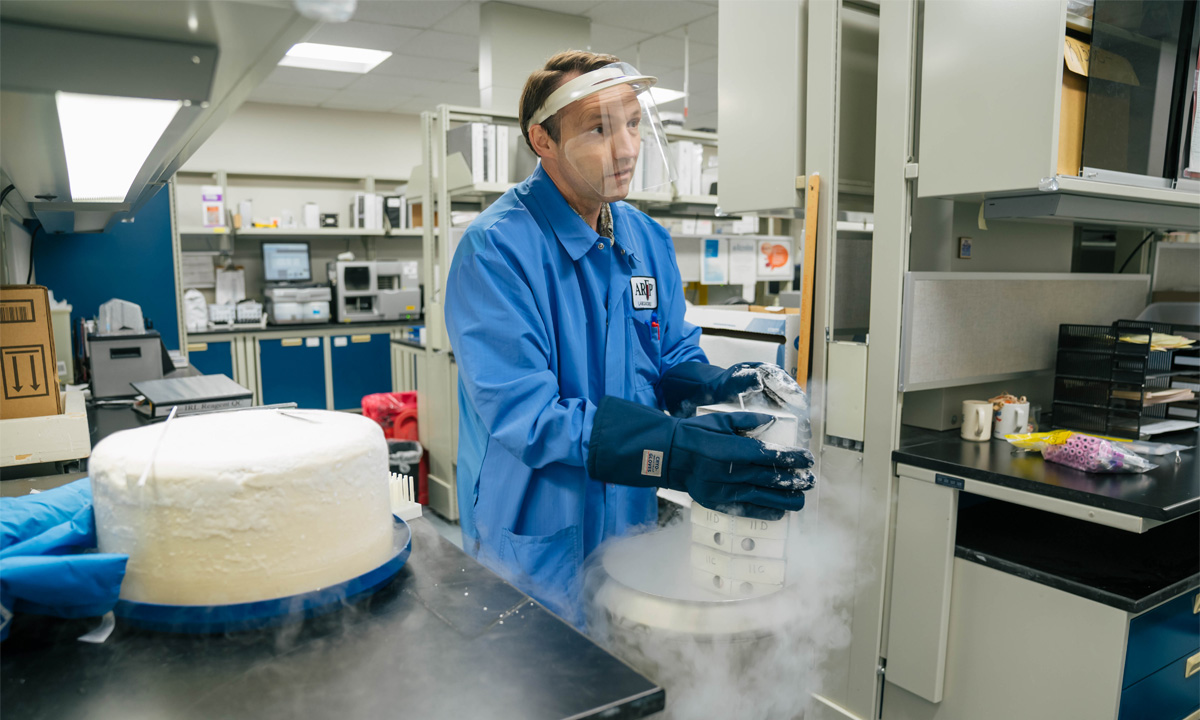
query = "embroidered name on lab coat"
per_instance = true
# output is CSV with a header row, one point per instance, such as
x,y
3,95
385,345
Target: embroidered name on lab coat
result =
x,y
645,293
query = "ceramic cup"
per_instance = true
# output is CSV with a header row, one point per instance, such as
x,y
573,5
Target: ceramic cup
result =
x,y
1009,419
977,420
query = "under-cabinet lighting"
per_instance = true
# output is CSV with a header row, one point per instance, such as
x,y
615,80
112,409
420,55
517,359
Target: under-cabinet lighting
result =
x,y
315,56
107,139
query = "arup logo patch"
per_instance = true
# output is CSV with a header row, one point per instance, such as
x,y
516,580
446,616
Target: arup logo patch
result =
x,y
645,293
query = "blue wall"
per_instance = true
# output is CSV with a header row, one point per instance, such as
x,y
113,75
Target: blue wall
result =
x,y
132,262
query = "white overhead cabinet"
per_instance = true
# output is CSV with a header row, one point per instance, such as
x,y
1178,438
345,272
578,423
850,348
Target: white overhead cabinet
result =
x,y
760,91
1007,115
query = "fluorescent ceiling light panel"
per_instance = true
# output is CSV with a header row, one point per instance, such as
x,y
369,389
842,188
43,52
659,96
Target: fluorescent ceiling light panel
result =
x,y
663,95
315,56
107,140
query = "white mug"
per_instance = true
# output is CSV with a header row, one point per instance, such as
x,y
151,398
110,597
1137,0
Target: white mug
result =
x,y
977,420
1010,418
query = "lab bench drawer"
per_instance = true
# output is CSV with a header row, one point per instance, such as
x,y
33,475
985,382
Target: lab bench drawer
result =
x,y
1160,636
360,365
1169,694
212,358
293,370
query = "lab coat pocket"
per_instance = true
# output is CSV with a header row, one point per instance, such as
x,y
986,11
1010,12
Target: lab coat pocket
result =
x,y
546,566
646,351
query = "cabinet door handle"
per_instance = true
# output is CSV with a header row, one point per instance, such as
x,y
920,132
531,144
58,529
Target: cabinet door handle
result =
x,y
197,347
1196,605
291,342
1193,664
360,338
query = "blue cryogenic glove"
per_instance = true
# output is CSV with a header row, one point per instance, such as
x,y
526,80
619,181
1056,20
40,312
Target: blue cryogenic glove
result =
x,y
42,568
709,457
690,385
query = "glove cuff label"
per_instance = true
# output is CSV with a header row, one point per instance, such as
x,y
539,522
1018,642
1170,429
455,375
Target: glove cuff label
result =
x,y
652,462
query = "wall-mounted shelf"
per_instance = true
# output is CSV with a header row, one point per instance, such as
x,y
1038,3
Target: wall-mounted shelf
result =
x,y
650,197
696,200
196,230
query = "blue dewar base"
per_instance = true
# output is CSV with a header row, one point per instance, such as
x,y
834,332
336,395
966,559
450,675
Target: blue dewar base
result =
x,y
200,619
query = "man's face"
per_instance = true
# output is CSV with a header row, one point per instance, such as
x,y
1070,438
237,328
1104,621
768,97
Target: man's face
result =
x,y
600,138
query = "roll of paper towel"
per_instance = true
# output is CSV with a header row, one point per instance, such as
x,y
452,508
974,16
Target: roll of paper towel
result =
x,y
195,311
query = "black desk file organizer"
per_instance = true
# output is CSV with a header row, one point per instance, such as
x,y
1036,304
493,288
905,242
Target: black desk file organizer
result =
x,y
1101,383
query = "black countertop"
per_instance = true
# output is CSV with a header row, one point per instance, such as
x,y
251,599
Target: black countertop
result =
x,y
446,638
1128,571
1168,492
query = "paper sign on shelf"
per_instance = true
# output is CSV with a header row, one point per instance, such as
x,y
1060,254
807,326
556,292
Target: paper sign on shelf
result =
x,y
743,254
714,262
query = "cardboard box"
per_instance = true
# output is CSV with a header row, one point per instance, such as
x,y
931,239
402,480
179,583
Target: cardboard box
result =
x,y
783,310
1109,131
29,366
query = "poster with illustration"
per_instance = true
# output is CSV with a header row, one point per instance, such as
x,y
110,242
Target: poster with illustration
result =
x,y
775,259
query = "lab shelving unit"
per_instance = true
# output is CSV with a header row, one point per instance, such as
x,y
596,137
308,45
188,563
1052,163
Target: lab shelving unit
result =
x,y
324,366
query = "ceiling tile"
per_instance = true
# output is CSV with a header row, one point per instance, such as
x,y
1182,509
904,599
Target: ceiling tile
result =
x,y
290,94
607,39
471,77
409,13
372,83
372,36
705,67
703,30
567,7
654,16
358,100
661,53
423,67
445,46
464,20
415,106
311,78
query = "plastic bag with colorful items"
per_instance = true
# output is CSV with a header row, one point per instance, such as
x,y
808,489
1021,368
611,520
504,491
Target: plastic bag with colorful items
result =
x,y
1082,452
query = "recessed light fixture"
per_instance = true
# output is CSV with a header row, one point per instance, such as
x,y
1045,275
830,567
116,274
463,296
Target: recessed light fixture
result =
x,y
663,95
107,139
315,56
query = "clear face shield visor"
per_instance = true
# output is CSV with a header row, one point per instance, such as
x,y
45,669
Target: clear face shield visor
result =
x,y
610,134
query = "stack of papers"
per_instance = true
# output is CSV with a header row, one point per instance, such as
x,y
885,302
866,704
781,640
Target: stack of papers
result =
x,y
1160,341
1156,397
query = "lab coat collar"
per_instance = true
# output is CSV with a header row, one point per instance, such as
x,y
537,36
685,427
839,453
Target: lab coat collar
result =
x,y
570,229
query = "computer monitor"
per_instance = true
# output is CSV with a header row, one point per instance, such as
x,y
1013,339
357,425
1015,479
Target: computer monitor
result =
x,y
286,262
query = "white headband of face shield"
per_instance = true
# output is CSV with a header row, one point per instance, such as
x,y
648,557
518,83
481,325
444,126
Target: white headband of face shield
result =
x,y
590,83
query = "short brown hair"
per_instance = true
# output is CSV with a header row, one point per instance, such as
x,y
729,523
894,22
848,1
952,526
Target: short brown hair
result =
x,y
542,83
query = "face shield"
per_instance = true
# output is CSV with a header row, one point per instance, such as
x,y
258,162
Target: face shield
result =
x,y
610,135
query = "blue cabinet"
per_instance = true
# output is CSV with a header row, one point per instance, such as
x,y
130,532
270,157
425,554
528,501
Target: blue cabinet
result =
x,y
293,370
212,358
360,365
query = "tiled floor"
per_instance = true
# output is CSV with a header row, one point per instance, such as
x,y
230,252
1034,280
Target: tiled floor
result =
x,y
446,528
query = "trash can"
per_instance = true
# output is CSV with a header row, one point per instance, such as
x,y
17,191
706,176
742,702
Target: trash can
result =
x,y
396,413
407,457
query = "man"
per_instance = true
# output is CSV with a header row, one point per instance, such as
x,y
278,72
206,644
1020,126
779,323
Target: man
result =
x,y
565,311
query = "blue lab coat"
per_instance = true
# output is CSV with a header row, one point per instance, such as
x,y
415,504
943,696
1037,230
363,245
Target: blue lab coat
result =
x,y
542,319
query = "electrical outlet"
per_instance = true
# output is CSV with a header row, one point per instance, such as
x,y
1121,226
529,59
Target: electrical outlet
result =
x,y
964,248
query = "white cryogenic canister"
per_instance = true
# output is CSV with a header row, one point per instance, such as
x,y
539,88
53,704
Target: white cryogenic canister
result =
x,y
782,432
